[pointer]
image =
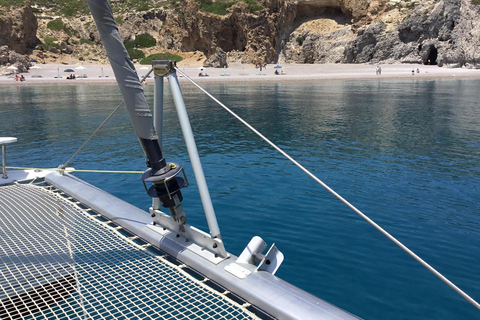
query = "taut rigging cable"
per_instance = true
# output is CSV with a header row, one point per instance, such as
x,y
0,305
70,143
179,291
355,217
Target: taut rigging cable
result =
x,y
338,196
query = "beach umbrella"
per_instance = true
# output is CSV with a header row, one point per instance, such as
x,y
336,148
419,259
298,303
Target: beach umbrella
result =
x,y
33,60
68,70
277,67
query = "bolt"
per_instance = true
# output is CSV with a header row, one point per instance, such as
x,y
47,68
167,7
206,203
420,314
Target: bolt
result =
x,y
215,246
178,236
267,262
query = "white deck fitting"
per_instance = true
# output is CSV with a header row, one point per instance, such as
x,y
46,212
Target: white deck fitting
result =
x,y
54,253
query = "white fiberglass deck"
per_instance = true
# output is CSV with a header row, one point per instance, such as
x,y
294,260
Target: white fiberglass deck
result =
x,y
59,260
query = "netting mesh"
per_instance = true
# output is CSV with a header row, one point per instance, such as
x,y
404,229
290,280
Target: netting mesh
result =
x,y
59,262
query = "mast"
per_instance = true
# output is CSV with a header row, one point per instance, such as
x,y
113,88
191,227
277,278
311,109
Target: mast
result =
x,y
163,175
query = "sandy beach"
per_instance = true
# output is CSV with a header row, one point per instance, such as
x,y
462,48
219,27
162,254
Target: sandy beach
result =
x,y
56,74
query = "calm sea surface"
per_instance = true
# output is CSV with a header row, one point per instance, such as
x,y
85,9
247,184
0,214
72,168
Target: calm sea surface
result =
x,y
406,153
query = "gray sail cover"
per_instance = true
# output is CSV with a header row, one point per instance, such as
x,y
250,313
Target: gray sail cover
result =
x,y
125,73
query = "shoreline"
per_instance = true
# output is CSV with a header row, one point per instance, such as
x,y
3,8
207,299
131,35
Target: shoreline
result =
x,y
54,74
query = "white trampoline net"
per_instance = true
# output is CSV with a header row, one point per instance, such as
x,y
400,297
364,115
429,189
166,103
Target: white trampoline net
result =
x,y
57,261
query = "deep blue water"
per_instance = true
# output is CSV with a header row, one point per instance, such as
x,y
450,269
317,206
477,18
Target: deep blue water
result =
x,y
406,153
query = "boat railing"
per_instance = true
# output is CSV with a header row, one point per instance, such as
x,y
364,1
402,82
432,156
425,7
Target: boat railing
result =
x,y
3,142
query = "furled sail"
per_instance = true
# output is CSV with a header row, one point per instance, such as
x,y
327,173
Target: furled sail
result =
x,y
129,84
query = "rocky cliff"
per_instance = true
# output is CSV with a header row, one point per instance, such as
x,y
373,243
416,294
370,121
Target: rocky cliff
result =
x,y
436,32
333,31
443,32
18,29
247,36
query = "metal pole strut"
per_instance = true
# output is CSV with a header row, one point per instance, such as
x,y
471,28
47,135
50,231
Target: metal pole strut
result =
x,y
157,119
158,108
194,157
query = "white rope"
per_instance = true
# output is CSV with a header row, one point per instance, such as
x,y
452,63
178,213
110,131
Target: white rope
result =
x,y
61,214
361,214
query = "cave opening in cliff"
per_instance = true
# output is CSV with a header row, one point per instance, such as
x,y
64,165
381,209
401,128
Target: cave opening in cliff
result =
x,y
231,39
314,10
432,56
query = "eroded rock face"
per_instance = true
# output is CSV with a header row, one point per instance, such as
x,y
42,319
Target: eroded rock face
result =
x,y
256,35
332,31
442,32
18,29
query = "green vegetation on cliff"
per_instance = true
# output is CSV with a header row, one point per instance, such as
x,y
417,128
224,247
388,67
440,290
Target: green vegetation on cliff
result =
x,y
217,7
56,25
8,3
220,6
67,8
161,56
144,40
132,52
52,42
136,54
71,8
253,5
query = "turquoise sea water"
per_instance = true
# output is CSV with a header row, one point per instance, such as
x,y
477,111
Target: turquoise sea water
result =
x,y
406,153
